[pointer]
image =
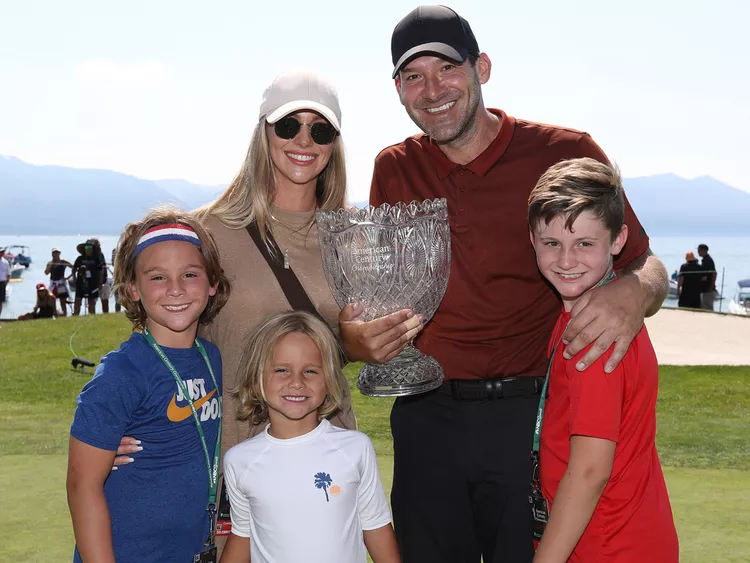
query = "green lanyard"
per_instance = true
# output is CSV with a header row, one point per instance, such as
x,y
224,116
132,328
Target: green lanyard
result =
x,y
543,398
213,471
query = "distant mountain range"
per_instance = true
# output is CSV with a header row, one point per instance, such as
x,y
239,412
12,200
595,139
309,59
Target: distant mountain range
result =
x,y
668,205
58,200
46,200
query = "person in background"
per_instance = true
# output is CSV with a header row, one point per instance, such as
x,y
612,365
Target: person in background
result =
x,y
690,283
708,289
58,283
87,272
4,277
461,453
118,306
45,305
105,289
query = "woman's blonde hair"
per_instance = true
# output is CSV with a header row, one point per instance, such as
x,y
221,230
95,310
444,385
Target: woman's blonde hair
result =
x,y
125,265
257,358
250,195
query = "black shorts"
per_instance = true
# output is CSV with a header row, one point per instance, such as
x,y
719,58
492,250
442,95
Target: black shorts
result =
x,y
2,291
83,290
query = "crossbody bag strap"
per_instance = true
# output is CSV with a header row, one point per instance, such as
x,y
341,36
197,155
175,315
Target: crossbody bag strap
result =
x,y
288,281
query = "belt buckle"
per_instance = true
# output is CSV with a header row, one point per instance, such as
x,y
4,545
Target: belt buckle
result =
x,y
497,389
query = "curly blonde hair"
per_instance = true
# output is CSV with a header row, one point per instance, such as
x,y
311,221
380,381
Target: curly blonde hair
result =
x,y
124,274
258,355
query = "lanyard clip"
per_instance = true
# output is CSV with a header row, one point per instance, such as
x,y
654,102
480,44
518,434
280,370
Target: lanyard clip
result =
x,y
210,541
535,469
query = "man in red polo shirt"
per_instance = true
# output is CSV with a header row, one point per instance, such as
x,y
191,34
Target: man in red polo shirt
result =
x,y
462,467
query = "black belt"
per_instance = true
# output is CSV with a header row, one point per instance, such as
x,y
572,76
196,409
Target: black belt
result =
x,y
503,388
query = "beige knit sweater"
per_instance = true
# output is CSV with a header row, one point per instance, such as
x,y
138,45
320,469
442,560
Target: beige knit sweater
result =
x,y
256,294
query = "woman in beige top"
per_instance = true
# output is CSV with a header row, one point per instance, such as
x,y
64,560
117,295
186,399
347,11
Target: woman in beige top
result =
x,y
294,167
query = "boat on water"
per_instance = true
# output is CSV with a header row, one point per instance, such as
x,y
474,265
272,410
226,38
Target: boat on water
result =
x,y
740,303
18,254
16,271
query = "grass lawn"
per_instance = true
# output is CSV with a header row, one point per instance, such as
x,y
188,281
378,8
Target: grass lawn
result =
x,y
704,441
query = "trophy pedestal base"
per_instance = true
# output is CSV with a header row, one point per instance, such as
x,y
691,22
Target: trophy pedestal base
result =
x,y
409,373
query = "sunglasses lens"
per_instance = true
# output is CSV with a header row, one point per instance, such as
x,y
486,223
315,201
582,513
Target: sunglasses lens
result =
x,y
323,133
286,128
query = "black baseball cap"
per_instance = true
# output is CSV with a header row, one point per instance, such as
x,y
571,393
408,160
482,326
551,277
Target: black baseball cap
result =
x,y
432,29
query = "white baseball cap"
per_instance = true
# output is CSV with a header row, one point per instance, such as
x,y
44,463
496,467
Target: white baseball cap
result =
x,y
300,90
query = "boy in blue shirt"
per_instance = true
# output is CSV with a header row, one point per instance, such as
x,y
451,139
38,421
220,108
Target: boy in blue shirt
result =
x,y
164,385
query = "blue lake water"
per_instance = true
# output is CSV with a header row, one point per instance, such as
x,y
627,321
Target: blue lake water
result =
x,y
23,293
731,254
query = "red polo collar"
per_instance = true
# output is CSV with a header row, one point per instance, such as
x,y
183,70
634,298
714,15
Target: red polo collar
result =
x,y
485,161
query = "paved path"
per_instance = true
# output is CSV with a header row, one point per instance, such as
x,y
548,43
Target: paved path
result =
x,y
683,337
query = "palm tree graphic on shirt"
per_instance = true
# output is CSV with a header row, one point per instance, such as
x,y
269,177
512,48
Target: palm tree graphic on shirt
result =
x,y
323,481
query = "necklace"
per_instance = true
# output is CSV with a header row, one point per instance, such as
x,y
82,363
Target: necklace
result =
x,y
293,230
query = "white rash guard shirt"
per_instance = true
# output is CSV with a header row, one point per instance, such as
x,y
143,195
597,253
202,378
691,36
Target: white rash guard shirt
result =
x,y
307,498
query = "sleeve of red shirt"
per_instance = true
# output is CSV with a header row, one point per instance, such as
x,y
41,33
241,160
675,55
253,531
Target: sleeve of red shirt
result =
x,y
638,241
595,398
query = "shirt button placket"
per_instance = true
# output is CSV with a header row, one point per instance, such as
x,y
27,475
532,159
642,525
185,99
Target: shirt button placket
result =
x,y
461,222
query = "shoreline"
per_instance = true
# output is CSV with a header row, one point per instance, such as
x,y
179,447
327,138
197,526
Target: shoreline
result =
x,y
684,337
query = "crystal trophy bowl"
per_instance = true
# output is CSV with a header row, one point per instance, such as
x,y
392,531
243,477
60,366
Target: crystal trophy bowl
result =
x,y
390,258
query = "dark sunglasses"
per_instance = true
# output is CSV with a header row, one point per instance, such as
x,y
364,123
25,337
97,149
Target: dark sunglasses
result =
x,y
323,133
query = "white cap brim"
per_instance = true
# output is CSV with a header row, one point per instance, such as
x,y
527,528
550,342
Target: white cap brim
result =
x,y
299,105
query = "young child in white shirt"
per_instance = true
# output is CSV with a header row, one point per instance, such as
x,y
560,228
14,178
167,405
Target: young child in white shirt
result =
x,y
303,490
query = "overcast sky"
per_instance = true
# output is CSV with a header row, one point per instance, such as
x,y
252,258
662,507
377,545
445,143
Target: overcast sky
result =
x,y
171,89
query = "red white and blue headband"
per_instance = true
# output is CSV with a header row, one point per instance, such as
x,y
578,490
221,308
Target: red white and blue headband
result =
x,y
162,233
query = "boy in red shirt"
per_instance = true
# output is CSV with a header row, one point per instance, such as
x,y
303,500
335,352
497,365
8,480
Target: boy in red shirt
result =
x,y
599,470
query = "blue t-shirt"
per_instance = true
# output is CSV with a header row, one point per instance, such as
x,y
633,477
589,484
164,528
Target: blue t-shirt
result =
x,y
158,503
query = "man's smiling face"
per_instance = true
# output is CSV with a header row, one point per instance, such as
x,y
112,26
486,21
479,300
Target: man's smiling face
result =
x,y
440,96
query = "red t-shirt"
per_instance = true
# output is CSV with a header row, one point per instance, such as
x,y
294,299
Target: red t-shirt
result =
x,y
633,519
498,311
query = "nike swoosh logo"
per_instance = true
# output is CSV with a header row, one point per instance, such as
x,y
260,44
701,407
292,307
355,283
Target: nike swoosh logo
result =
x,y
178,414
